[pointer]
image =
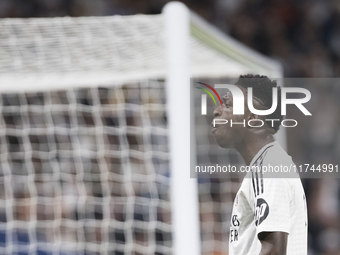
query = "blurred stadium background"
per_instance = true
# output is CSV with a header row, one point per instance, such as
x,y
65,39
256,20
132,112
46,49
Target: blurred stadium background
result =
x,y
57,193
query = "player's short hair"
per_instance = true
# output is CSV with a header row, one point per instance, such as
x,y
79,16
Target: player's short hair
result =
x,y
262,89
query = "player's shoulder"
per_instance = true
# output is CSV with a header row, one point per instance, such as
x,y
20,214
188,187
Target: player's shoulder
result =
x,y
276,155
277,162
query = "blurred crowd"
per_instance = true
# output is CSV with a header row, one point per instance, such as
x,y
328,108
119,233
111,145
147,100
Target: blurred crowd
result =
x,y
304,35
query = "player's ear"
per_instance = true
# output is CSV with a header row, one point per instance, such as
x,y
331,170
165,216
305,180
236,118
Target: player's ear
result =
x,y
254,120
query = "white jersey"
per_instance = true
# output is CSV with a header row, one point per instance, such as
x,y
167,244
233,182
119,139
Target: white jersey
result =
x,y
268,205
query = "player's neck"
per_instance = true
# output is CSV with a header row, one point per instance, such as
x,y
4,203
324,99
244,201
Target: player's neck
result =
x,y
252,145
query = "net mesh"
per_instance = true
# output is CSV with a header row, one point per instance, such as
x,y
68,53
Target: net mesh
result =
x,y
62,52
95,44
84,139
85,171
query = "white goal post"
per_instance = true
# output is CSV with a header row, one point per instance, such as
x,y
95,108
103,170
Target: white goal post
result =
x,y
179,25
95,131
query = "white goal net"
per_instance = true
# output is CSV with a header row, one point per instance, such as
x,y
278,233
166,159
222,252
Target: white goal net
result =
x,y
84,139
84,171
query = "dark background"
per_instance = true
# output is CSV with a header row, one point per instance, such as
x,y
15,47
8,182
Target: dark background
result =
x,y
304,35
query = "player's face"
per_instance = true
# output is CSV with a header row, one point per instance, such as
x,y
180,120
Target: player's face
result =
x,y
225,135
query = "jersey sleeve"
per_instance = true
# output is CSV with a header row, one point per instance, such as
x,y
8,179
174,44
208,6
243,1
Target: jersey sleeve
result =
x,y
272,205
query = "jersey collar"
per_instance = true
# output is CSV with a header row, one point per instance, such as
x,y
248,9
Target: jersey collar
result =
x,y
261,151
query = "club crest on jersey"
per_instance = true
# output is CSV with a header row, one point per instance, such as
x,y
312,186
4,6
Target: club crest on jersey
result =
x,y
261,211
